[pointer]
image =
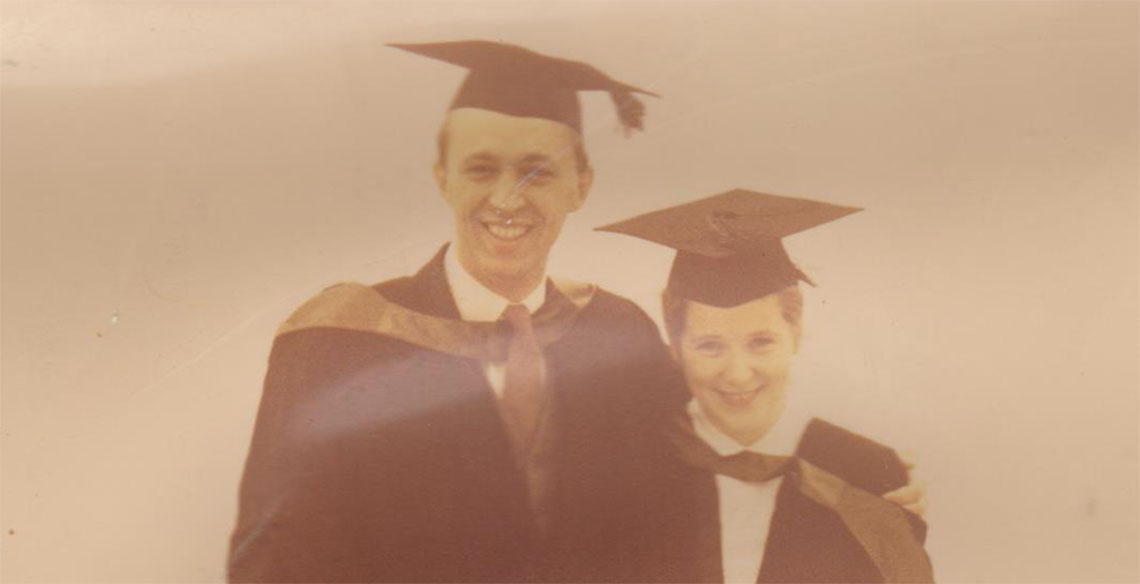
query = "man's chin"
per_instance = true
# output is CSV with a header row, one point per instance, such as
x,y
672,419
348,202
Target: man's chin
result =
x,y
508,272
512,262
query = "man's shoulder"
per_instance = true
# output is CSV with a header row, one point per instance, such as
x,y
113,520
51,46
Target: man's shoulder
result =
x,y
337,306
608,302
401,290
610,312
356,307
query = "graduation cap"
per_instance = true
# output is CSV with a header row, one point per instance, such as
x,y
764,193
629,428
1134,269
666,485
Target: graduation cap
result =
x,y
728,245
516,81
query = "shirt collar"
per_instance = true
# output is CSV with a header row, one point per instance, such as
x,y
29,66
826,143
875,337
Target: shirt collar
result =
x,y
474,301
780,440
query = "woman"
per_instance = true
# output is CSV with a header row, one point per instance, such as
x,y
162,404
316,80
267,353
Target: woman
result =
x,y
729,501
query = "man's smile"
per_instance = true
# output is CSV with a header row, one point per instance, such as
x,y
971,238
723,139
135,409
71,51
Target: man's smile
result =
x,y
509,230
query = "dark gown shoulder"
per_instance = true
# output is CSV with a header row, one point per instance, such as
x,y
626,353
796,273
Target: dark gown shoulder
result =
x,y
377,460
808,541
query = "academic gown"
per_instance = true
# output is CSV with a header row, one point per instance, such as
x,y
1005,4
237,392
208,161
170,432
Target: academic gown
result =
x,y
823,528
378,459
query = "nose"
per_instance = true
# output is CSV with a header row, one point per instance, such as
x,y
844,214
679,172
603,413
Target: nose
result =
x,y
740,370
507,193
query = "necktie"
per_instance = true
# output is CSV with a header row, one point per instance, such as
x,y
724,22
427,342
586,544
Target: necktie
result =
x,y
524,395
524,409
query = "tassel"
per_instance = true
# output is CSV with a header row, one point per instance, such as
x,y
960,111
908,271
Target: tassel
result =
x,y
630,110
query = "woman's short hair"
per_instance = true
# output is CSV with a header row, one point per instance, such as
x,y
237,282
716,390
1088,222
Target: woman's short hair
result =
x,y
674,309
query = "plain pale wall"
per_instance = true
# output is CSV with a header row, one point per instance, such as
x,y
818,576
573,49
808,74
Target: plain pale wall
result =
x,y
178,176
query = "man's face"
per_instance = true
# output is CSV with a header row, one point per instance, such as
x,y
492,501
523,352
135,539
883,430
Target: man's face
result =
x,y
736,363
510,182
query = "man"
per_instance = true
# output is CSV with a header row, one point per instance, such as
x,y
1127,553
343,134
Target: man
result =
x,y
419,430
474,421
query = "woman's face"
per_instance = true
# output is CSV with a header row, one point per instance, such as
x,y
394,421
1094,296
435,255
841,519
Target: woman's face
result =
x,y
736,363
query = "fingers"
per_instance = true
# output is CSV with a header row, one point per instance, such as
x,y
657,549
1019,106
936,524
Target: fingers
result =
x,y
904,495
911,497
909,458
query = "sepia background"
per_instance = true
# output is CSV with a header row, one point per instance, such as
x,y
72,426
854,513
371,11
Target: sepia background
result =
x,y
178,176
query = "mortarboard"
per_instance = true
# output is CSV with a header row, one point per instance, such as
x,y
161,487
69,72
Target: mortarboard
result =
x,y
519,82
728,245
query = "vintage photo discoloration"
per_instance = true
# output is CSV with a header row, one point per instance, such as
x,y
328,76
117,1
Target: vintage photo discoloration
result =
x,y
570,454
570,292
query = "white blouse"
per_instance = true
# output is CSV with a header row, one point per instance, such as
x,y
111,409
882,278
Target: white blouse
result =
x,y
746,508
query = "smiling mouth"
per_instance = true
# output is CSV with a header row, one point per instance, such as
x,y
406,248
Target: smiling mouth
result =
x,y
737,398
507,232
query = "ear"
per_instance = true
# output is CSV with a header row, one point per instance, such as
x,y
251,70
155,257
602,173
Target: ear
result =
x,y
440,174
585,181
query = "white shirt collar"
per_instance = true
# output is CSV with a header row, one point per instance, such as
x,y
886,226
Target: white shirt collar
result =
x,y
780,440
474,300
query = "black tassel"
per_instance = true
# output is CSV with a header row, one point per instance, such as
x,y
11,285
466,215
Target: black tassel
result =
x,y
630,110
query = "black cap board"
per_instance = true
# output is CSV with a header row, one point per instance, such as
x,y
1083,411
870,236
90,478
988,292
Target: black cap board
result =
x,y
729,248
519,82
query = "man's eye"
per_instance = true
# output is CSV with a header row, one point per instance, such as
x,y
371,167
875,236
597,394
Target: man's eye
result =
x,y
538,173
479,171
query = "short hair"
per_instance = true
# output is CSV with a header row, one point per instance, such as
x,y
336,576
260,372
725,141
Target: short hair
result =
x,y
675,309
441,148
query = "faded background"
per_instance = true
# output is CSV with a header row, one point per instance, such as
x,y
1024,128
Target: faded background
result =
x,y
178,176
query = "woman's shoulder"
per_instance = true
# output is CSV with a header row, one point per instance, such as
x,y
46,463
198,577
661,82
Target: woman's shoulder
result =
x,y
884,530
858,460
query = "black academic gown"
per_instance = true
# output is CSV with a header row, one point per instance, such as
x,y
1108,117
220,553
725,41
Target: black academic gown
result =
x,y
810,538
375,459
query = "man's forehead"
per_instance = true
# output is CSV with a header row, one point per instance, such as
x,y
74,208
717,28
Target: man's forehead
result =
x,y
483,131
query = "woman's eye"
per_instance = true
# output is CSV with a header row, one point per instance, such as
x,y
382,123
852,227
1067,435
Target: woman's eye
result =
x,y
709,347
760,343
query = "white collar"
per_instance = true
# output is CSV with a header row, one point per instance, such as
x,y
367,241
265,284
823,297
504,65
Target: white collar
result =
x,y
781,439
474,300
